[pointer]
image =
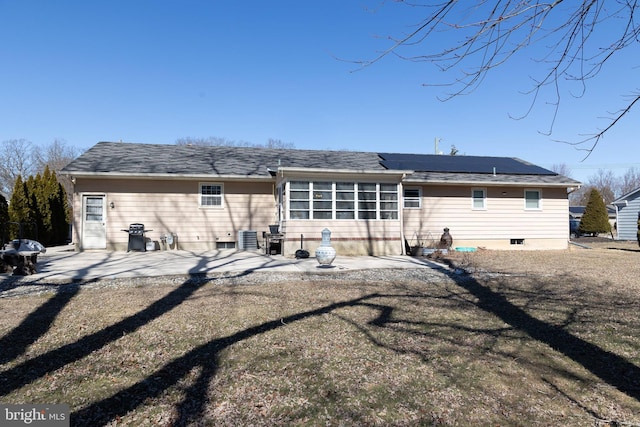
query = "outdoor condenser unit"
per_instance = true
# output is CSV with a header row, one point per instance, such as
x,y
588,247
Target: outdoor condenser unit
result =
x,y
247,240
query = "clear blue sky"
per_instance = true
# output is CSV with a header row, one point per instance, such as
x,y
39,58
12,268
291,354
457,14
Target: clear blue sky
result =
x,y
155,71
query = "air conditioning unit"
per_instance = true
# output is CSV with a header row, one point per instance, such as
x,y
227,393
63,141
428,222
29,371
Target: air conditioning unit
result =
x,y
247,240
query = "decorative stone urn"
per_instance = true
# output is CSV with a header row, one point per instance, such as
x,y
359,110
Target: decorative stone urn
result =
x,y
325,254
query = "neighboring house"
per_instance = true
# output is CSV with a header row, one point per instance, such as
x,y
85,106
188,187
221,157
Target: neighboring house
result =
x,y
628,207
373,203
576,212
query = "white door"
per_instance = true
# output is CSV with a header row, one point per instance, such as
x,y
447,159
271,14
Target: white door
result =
x,y
94,229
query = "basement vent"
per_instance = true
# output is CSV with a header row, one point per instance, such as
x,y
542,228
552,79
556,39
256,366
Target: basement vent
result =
x,y
225,245
517,241
247,240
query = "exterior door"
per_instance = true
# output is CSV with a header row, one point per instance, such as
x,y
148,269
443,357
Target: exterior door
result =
x,y
94,229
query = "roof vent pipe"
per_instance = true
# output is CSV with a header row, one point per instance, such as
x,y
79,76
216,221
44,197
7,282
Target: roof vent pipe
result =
x,y
494,171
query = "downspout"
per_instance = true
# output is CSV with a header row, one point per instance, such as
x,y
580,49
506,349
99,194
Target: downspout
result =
x,y
401,209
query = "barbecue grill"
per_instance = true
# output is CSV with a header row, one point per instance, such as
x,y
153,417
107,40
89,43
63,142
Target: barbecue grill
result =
x,y
137,241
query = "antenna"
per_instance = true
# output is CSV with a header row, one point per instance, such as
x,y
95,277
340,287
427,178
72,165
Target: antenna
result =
x,y
435,145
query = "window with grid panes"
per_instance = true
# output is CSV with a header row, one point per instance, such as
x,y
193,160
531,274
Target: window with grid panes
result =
x,y
479,196
210,195
299,200
388,201
367,200
322,200
412,198
345,200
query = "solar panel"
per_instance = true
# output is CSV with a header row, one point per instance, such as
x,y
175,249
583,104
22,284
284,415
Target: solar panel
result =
x,y
460,164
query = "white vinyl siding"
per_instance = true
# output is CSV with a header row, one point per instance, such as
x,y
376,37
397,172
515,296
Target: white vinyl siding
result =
x,y
174,206
449,206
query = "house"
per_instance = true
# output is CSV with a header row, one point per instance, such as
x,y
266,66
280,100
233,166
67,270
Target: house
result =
x,y
628,213
206,198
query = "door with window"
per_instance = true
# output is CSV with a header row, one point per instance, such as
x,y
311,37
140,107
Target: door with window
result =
x,y
94,229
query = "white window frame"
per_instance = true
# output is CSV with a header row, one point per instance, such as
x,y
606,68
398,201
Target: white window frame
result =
x,y
387,196
300,211
345,207
474,199
415,200
322,195
202,197
538,207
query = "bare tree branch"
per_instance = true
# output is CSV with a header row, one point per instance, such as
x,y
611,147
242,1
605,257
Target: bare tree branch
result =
x,y
579,38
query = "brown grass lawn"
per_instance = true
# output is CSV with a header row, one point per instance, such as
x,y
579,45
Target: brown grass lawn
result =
x,y
543,338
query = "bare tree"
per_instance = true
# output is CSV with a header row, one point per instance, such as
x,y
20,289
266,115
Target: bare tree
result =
x,y
579,39
605,182
630,181
16,158
562,169
224,142
56,155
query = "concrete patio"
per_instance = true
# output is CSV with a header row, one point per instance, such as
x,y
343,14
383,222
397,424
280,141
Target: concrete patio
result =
x,y
64,264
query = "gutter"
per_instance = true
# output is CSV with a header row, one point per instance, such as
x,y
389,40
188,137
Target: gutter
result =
x,y
182,176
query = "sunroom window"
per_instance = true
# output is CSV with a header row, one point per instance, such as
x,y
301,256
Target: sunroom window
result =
x,y
342,200
299,200
388,201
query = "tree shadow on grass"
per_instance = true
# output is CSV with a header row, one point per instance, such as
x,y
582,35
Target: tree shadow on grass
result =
x,y
35,325
609,367
205,357
38,322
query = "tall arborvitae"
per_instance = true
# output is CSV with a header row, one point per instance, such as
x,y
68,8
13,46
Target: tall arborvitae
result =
x,y
18,207
4,219
40,206
57,200
595,219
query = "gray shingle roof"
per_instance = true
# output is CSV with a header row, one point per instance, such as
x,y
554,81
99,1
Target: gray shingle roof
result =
x,y
192,160
126,158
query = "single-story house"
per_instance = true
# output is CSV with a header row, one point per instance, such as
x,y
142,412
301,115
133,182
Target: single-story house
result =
x,y
216,197
628,211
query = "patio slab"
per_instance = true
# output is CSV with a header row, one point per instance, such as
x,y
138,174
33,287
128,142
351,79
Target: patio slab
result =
x,y
65,264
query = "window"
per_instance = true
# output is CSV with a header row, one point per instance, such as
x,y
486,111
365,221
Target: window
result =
x,y
388,201
322,200
345,200
412,198
342,200
367,196
479,198
299,200
210,195
94,209
532,199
